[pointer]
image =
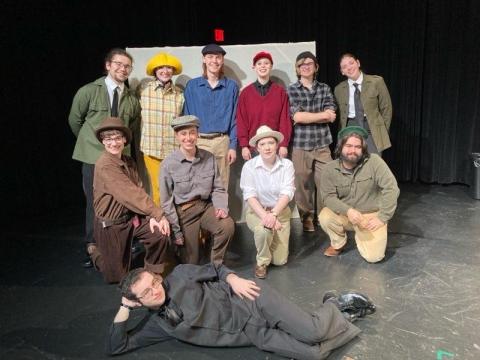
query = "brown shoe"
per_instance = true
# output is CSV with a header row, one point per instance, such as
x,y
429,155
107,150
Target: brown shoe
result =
x,y
308,225
330,251
261,271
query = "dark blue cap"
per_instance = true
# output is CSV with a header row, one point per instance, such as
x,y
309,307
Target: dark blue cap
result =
x,y
213,49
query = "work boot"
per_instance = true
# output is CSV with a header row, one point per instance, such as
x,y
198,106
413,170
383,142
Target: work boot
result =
x,y
331,251
308,225
261,271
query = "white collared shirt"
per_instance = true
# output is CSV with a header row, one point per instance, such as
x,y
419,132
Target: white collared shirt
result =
x,y
351,92
266,184
111,86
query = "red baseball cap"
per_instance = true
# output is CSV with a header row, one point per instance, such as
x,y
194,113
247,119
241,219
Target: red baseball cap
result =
x,y
262,55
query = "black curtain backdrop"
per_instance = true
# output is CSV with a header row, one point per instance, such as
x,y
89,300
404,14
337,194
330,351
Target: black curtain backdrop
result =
x,y
426,50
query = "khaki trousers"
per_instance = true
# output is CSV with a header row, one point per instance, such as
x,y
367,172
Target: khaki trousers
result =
x,y
153,166
308,165
272,245
370,244
219,148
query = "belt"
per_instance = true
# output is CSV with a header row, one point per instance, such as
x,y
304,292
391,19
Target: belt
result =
x,y
188,204
109,222
210,135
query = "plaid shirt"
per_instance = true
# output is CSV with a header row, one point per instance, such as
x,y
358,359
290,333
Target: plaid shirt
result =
x,y
159,107
320,98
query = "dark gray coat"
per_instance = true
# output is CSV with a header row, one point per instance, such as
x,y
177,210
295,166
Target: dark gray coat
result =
x,y
214,316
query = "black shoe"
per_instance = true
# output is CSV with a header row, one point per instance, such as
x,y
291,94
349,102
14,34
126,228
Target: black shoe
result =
x,y
357,303
352,304
87,263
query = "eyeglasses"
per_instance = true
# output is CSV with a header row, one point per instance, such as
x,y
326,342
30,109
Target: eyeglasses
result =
x,y
156,283
305,65
115,139
122,65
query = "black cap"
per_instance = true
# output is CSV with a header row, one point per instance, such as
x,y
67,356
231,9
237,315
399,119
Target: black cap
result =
x,y
306,55
213,49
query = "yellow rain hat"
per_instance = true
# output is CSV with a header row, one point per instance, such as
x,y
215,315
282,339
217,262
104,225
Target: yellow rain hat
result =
x,y
164,59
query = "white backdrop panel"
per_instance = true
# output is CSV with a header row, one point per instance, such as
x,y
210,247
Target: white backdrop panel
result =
x,y
238,61
238,66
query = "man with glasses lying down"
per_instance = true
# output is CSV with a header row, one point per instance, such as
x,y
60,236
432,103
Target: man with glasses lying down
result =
x,y
209,305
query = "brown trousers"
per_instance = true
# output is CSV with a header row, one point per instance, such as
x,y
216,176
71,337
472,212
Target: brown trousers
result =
x,y
114,252
308,165
201,215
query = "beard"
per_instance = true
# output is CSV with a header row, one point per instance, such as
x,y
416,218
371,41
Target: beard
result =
x,y
352,160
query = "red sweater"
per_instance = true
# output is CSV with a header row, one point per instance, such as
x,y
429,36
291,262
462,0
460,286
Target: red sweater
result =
x,y
254,111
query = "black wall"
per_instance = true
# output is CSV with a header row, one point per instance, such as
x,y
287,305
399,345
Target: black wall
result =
x,y
427,51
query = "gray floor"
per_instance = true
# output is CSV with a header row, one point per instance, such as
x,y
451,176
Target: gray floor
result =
x,y
427,290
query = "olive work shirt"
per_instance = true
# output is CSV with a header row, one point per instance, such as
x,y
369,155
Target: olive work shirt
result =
x,y
90,106
208,305
182,180
371,187
117,189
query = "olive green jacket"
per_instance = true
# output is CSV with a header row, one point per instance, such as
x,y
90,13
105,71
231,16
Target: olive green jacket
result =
x,y
90,106
371,187
376,104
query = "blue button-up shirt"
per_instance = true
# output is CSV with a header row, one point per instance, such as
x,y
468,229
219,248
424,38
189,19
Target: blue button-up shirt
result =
x,y
216,108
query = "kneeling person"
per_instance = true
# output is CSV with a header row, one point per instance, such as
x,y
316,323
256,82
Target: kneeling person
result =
x,y
193,195
360,194
267,183
123,209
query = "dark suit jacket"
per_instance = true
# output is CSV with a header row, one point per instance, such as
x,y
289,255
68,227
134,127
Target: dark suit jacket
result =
x,y
376,104
212,314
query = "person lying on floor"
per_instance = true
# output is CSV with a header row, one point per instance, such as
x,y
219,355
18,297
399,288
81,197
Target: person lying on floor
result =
x,y
209,305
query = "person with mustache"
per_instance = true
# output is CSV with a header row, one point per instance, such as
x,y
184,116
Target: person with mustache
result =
x,y
360,194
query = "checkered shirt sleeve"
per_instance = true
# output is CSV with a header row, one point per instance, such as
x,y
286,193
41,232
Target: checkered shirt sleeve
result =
x,y
319,98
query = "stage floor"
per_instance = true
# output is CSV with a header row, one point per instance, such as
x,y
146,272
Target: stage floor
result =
x,y
427,290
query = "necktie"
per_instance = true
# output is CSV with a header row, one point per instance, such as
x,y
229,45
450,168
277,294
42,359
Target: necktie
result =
x,y
360,119
114,112
359,112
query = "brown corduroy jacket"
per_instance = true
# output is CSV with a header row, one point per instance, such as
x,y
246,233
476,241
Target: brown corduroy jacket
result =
x,y
117,189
